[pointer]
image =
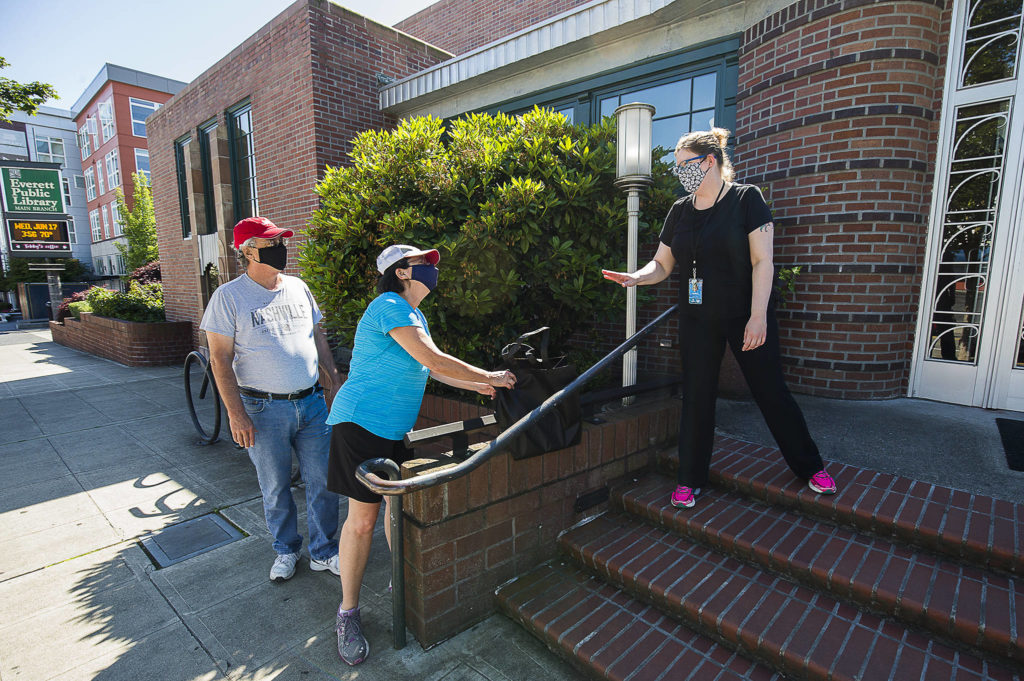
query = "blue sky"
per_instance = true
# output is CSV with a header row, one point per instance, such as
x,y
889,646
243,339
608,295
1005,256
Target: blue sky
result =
x,y
66,42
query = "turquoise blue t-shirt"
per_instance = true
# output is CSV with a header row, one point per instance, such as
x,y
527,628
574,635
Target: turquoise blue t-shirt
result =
x,y
385,384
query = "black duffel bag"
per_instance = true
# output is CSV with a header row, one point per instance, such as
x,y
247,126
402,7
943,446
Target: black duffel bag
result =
x,y
538,377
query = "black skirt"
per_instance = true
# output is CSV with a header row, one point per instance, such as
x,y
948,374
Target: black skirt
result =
x,y
351,445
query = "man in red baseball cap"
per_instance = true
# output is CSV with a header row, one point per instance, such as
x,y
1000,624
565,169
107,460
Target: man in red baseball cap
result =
x,y
266,349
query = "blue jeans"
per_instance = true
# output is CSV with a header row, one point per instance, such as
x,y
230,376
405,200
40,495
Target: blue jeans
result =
x,y
281,426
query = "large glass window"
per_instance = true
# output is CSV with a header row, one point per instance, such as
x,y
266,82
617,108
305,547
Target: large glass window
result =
x,y
207,146
113,162
106,110
142,162
115,219
141,109
90,184
106,221
50,149
243,163
72,237
94,223
99,179
84,142
67,191
681,106
180,149
690,90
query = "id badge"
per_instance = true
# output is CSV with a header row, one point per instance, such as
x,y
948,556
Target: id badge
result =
x,y
696,291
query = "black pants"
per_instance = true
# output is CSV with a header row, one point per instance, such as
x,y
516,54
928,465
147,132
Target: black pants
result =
x,y
702,343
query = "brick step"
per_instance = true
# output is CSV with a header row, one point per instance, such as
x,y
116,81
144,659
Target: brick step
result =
x,y
969,606
972,528
609,635
784,625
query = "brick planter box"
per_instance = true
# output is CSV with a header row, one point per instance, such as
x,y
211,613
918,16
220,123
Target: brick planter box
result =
x,y
466,537
133,343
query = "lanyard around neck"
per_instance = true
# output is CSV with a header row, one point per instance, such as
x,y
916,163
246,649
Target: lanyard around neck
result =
x,y
698,233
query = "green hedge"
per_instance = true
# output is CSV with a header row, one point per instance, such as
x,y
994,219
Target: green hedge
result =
x,y
140,303
78,308
523,210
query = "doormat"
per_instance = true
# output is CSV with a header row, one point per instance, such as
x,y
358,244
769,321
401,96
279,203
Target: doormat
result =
x,y
1012,432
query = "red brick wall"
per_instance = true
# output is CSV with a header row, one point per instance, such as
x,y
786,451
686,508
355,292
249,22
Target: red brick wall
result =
x,y
460,26
466,537
310,75
136,344
836,114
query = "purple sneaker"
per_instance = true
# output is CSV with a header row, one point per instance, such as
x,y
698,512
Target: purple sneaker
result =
x,y
822,483
684,497
353,647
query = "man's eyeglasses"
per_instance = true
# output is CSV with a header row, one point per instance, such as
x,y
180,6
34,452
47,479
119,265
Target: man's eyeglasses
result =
x,y
677,169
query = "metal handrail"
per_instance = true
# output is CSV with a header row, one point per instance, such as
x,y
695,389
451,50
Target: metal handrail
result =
x,y
369,472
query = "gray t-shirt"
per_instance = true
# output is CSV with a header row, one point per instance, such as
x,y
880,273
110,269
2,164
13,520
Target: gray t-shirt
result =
x,y
273,330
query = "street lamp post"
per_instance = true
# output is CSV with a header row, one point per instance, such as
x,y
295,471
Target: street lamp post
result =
x,y
632,173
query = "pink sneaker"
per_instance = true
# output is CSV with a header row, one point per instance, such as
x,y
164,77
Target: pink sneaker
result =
x,y
822,483
684,497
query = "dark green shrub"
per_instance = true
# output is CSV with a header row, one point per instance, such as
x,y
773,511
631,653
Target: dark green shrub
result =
x,y
141,303
523,210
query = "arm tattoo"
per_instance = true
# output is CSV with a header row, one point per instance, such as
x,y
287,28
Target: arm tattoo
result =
x,y
766,227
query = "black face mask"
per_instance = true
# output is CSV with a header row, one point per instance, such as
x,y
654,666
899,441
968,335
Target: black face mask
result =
x,y
274,256
426,275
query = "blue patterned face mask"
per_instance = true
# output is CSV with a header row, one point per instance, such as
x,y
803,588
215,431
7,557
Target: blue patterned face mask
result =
x,y
426,275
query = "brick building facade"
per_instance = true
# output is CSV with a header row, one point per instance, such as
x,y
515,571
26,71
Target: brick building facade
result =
x,y
110,117
254,133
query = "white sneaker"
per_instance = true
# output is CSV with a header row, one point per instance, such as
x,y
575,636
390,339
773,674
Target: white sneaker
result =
x,y
321,565
284,567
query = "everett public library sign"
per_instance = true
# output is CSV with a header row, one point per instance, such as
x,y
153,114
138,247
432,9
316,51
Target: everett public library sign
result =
x,y
32,190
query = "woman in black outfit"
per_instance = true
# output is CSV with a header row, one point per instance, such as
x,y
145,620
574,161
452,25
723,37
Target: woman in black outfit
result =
x,y
721,235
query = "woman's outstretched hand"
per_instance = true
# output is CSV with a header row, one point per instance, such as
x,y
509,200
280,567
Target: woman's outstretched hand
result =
x,y
623,278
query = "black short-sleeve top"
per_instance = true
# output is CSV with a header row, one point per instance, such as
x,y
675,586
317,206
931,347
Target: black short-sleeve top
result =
x,y
722,249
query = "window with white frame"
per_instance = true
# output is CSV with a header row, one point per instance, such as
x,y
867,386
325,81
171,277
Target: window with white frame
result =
x,y
106,110
72,237
90,184
94,223
83,142
113,169
92,129
115,218
142,162
99,179
67,191
50,149
106,221
141,109
79,182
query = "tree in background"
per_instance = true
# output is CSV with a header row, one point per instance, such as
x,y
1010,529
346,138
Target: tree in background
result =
x,y
139,225
17,97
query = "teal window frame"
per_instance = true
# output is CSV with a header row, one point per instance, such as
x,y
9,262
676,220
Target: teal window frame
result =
x,y
720,56
240,212
183,202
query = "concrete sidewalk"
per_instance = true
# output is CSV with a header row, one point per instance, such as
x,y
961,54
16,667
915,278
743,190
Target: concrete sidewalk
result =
x,y
94,456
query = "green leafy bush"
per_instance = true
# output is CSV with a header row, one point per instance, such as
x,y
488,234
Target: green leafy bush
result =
x,y
141,303
523,210
79,307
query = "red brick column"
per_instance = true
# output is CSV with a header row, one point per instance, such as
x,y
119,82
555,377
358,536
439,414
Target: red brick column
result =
x,y
836,115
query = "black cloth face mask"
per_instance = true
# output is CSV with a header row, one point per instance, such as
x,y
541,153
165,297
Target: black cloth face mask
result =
x,y
274,256
426,275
